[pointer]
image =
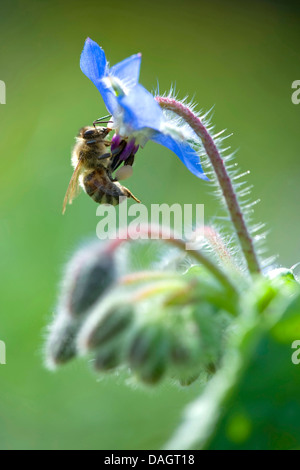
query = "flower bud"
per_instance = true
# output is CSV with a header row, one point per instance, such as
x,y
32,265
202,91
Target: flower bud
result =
x,y
110,324
186,356
188,380
149,353
107,359
179,354
61,344
212,323
90,273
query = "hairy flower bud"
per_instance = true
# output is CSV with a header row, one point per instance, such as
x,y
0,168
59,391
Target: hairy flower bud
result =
x,y
110,324
107,359
89,274
188,380
61,344
180,354
149,353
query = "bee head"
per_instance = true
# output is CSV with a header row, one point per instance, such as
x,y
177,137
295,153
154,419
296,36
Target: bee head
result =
x,y
92,133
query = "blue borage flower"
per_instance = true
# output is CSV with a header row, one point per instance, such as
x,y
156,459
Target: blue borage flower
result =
x,y
137,117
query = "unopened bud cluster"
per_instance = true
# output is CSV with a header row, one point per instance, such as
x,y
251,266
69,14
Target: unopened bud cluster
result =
x,y
89,274
168,324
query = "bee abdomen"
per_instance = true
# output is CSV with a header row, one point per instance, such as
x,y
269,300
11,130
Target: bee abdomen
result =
x,y
101,189
102,198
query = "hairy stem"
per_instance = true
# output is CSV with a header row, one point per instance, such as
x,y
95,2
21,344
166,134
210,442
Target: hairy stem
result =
x,y
159,233
223,178
142,276
214,239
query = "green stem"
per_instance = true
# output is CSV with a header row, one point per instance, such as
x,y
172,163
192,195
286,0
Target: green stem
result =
x,y
158,232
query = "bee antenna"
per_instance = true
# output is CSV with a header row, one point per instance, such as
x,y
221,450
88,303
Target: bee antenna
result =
x,y
100,120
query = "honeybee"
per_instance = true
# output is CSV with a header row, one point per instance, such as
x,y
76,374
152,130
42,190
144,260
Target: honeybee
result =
x,y
93,164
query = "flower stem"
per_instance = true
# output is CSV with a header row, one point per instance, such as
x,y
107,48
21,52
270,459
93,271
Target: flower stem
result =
x,y
158,232
223,178
142,276
214,239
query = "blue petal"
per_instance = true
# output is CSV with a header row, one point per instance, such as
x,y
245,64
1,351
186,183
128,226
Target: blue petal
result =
x,y
128,71
93,62
184,151
109,98
140,109
94,65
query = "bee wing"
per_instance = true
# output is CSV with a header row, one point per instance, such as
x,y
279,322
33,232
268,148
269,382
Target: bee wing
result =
x,y
73,186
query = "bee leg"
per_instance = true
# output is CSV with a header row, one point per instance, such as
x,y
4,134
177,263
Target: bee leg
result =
x,y
114,153
104,156
129,194
130,160
116,162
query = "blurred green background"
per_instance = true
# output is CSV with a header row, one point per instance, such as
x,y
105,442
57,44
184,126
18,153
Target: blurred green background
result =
x,y
241,57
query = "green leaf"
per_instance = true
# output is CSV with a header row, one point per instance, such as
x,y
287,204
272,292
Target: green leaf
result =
x,y
253,402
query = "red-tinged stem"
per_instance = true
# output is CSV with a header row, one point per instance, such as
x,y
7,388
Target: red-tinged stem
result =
x,y
223,178
215,241
158,233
